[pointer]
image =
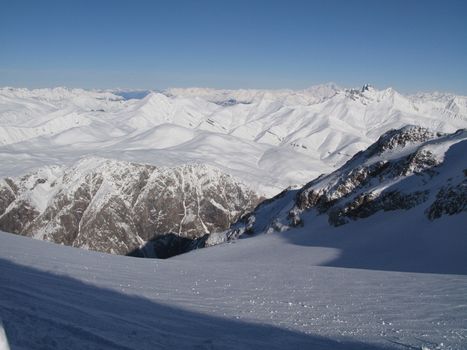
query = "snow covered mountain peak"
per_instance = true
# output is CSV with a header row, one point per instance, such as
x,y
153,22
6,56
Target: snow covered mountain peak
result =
x,y
407,169
398,139
311,95
57,94
367,87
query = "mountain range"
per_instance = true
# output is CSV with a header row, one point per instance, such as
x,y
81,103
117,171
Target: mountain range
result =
x,y
332,219
266,138
171,171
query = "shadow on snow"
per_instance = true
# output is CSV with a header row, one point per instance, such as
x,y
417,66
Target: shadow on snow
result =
x,y
42,310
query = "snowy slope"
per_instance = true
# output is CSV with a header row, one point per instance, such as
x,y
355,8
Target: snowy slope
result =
x,y
266,292
410,169
269,139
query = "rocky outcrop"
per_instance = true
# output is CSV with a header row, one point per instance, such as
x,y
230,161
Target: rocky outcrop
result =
x,y
404,169
168,246
400,138
450,200
367,204
114,206
359,189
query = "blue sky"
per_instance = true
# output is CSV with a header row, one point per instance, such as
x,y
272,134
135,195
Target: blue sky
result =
x,y
409,45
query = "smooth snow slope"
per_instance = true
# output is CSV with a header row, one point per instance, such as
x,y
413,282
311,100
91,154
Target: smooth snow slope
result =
x,y
269,139
267,292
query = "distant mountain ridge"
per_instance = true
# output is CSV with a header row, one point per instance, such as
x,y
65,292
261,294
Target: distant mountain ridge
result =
x,y
269,139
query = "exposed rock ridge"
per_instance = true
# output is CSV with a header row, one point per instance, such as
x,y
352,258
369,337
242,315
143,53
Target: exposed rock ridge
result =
x,y
115,206
405,168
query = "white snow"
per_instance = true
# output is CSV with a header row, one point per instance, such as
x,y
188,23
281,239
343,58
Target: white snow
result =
x,y
3,338
394,280
321,287
258,136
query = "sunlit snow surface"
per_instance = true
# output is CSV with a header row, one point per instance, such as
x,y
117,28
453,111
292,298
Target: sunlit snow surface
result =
x,y
301,289
268,139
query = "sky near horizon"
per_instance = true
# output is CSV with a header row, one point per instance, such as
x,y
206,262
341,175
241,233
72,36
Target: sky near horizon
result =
x,y
409,45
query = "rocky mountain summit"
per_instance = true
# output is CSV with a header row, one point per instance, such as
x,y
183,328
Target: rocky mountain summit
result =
x,y
116,206
405,168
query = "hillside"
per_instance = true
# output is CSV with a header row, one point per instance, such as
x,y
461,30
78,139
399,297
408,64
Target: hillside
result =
x,y
116,206
402,201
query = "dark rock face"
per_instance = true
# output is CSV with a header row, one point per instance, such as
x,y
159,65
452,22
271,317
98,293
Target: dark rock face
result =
x,y
368,204
168,245
355,178
450,200
16,219
347,193
115,207
7,194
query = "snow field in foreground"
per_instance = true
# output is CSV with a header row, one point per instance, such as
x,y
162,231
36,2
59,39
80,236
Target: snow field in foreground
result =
x,y
267,292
